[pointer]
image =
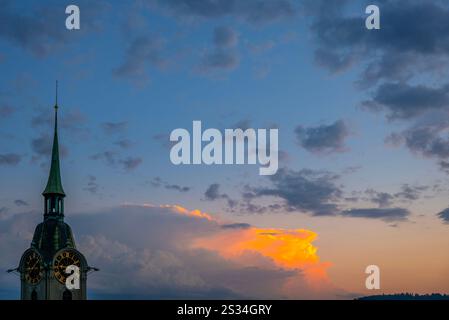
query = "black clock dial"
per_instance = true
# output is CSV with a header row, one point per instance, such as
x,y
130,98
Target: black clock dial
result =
x,y
33,267
62,261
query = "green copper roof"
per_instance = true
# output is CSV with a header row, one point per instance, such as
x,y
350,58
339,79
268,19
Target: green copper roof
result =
x,y
54,184
52,235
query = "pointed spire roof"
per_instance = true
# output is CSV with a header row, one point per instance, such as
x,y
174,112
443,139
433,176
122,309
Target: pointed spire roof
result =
x,y
54,184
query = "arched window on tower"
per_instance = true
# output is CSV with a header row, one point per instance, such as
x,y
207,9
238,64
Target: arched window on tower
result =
x,y
67,295
34,295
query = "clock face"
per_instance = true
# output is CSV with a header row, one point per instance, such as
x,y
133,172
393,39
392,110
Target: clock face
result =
x,y
33,267
62,261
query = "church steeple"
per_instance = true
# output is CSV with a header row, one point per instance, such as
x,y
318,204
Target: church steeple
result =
x,y
42,266
54,193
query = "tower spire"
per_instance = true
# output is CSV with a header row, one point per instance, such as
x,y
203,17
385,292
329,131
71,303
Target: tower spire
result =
x,y
56,100
54,184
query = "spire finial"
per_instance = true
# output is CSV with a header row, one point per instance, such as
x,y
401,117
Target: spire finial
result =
x,y
56,102
54,185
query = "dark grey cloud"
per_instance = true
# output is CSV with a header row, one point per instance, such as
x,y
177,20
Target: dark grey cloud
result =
x,y
428,137
41,29
252,11
3,212
309,191
42,146
213,193
123,143
20,203
407,193
219,60
243,124
71,120
131,163
68,118
158,182
236,226
164,140
114,127
143,51
110,157
318,193
386,214
6,111
402,49
225,37
411,193
92,185
382,199
10,159
324,138
113,158
39,32
403,101
444,215
398,62
222,56
444,166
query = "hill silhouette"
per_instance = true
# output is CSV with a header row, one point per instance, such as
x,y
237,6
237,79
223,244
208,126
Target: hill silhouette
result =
x,y
406,296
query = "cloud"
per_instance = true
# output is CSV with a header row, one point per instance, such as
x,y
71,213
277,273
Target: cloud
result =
x,y
403,101
92,185
386,214
318,193
42,147
408,193
144,50
6,111
114,127
162,252
309,191
398,63
3,212
405,54
123,143
323,139
110,157
444,215
131,163
426,136
383,199
70,120
216,60
251,11
10,159
403,49
158,182
213,193
411,192
20,203
222,56
225,37
236,226
40,29
164,140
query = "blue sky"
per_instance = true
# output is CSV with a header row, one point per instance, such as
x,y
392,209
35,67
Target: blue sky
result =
x,y
138,70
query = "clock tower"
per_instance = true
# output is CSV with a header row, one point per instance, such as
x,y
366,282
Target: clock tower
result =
x,y
43,267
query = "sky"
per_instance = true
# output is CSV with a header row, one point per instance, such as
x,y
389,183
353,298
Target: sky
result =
x,y
363,120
